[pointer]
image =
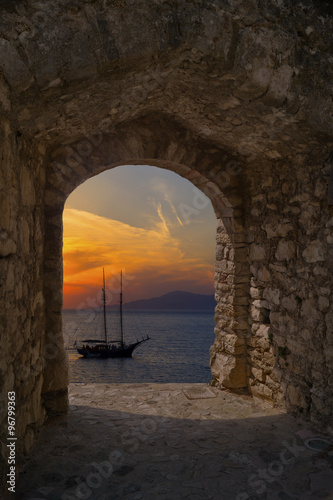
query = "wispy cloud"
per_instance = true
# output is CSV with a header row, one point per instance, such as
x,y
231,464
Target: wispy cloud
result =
x,y
174,211
163,190
160,214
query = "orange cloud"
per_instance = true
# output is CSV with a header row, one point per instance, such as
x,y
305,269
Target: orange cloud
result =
x,y
152,261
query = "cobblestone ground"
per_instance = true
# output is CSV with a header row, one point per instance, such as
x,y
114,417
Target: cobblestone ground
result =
x,y
175,441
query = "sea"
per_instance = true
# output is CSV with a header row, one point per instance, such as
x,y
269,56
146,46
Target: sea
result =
x,y
177,352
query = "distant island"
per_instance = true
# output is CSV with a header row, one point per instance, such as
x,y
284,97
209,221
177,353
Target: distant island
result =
x,y
174,301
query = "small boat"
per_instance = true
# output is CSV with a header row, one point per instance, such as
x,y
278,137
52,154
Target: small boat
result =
x,y
96,348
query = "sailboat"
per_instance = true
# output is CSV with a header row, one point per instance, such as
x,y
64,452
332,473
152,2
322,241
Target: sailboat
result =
x,y
96,348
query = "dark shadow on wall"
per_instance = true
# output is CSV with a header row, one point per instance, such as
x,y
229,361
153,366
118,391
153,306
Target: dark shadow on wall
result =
x,y
324,7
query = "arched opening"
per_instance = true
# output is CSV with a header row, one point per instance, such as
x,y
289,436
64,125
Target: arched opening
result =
x,y
160,230
160,142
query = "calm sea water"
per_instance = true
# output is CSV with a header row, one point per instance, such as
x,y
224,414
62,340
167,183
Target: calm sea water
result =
x,y
177,352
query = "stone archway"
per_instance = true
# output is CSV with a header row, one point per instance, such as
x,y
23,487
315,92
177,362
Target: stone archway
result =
x,y
159,141
181,85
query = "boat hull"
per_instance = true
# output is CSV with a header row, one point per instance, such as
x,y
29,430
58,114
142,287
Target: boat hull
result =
x,y
106,352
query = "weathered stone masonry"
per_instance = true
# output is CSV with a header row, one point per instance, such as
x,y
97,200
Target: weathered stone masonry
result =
x,y
236,96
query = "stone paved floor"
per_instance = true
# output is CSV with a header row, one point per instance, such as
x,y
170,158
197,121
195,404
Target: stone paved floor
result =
x,y
152,441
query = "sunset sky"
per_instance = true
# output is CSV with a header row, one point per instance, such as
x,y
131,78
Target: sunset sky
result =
x,y
149,222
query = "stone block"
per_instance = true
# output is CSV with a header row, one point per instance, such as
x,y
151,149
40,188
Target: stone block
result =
x,y
25,236
27,188
259,314
260,77
279,230
4,94
258,374
233,344
225,266
11,275
255,314
296,396
320,188
309,310
261,391
228,370
259,303
240,323
7,247
5,211
255,212
323,303
255,293
289,303
263,344
257,252
219,252
278,268
263,331
263,274
272,295
314,252
286,250
240,300
320,271
329,326
279,86
15,70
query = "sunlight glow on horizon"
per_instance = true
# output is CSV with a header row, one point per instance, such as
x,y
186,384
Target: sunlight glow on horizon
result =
x,y
159,256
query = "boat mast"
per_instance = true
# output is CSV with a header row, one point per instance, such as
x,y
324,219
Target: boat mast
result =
x,y
121,309
104,308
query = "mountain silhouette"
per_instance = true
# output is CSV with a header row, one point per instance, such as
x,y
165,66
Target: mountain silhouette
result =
x,y
177,300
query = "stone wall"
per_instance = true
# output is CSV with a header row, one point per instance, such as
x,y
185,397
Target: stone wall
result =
x,y
21,287
291,286
236,96
284,272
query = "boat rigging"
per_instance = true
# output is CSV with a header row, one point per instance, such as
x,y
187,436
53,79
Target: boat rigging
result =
x,y
96,348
